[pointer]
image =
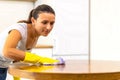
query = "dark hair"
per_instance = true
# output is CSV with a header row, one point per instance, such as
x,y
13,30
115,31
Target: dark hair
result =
x,y
35,12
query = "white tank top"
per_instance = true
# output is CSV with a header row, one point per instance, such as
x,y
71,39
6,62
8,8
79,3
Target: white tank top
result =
x,y
22,28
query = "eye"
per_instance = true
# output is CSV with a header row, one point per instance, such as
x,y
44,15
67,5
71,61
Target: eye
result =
x,y
52,23
44,22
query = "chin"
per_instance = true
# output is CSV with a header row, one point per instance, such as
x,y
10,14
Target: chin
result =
x,y
45,35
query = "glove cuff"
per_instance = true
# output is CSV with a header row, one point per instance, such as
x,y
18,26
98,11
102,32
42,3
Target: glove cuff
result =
x,y
31,57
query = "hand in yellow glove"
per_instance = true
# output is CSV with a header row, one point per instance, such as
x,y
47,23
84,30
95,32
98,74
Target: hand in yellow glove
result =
x,y
16,78
33,58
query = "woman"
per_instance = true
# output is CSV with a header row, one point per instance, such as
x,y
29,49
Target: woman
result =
x,y
18,39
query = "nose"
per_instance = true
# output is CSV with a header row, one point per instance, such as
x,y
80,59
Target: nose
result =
x,y
49,27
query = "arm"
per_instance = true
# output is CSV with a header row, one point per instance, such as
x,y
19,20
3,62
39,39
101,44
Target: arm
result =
x,y
11,42
10,50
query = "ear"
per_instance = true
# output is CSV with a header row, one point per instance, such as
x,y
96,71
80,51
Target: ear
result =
x,y
32,20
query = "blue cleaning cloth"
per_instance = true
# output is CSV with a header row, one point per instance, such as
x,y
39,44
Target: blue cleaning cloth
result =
x,y
61,61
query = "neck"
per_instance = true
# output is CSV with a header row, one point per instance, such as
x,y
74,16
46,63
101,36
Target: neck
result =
x,y
31,31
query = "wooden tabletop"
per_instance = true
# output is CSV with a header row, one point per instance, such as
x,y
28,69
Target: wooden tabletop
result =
x,y
72,70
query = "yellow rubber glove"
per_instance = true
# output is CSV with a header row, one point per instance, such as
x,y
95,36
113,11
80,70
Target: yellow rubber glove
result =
x,y
33,58
16,78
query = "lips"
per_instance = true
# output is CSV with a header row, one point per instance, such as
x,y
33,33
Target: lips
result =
x,y
46,32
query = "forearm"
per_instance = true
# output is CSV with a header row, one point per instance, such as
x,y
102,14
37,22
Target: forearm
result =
x,y
15,54
18,55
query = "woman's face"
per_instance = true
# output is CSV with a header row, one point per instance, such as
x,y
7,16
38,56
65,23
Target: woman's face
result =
x,y
44,23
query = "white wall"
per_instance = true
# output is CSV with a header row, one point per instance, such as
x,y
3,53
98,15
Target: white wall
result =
x,y
13,11
105,29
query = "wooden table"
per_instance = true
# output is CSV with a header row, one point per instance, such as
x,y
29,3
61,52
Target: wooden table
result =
x,y
72,70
